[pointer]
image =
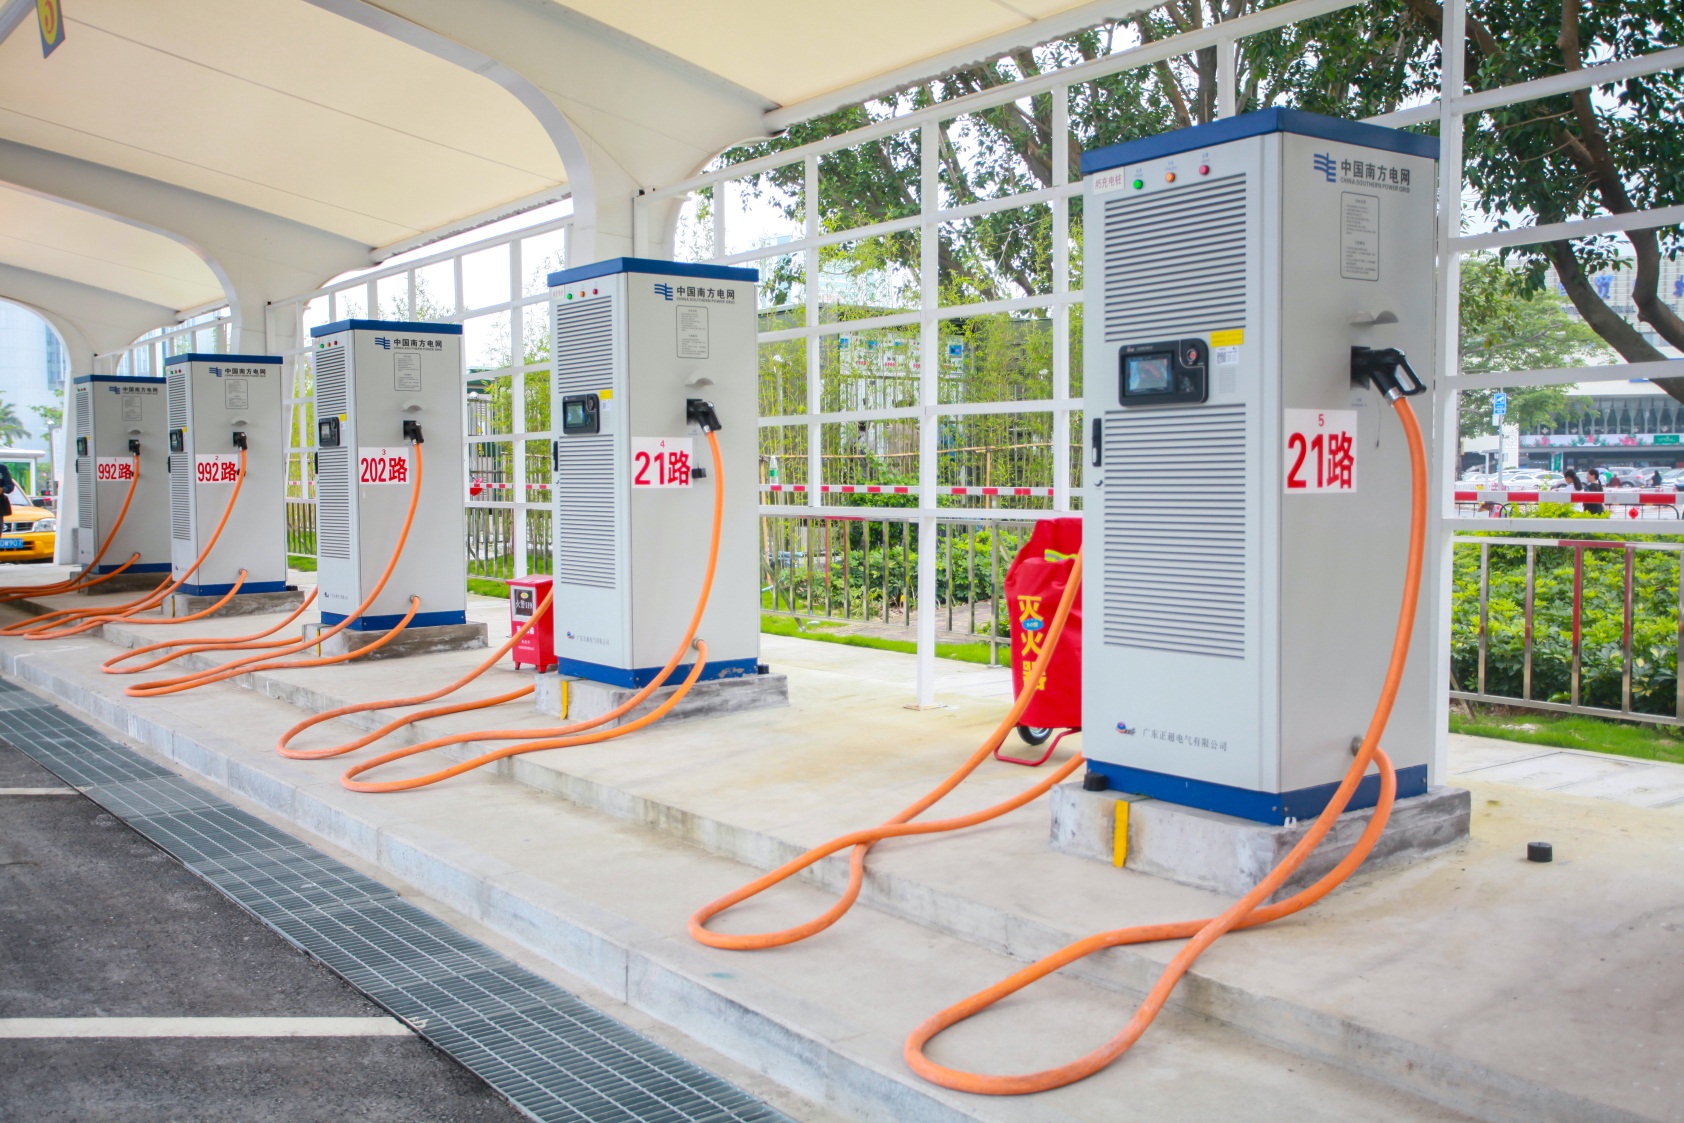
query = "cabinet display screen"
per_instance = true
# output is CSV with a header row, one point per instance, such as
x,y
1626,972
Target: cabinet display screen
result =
x,y
1147,374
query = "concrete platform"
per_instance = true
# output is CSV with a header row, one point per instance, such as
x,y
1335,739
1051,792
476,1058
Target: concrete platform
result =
x,y
410,641
124,583
580,699
1229,855
242,604
1468,984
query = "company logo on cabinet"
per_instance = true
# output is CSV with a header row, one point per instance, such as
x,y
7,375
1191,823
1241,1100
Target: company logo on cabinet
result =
x,y
383,342
663,290
1326,165
216,372
1123,728
1361,173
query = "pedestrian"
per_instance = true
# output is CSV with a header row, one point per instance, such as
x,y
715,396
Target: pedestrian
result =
x,y
7,487
1594,483
1571,480
1655,480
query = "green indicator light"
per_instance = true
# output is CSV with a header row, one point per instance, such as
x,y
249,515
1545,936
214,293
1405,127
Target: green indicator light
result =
x,y
569,296
1139,183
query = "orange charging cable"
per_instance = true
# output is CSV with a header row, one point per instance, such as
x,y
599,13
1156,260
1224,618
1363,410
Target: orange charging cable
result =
x,y
247,664
192,646
76,584
529,740
1244,913
64,622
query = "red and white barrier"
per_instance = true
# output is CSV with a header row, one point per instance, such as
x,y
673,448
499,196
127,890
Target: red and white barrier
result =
x,y
1623,497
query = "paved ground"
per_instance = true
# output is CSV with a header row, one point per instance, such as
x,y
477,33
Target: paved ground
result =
x,y
1622,779
95,922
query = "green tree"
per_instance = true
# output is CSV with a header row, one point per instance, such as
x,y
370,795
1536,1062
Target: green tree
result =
x,y
11,428
51,417
1509,325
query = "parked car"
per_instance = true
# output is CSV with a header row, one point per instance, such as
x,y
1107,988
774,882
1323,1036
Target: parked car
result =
x,y
29,534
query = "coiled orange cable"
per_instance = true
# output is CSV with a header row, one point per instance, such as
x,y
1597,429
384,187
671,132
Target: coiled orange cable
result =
x,y
1244,913
76,584
248,664
192,646
65,625
529,740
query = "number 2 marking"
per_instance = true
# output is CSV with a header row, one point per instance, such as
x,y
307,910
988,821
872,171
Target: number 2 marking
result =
x,y
1296,440
642,477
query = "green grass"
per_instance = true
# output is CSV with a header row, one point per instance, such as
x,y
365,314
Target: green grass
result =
x,y
487,587
305,563
815,630
1574,731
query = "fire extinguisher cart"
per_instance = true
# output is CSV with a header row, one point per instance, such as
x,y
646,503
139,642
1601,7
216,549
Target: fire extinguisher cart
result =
x,y
1034,584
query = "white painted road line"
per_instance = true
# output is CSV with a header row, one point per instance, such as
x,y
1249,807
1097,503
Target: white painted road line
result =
x,y
39,791
202,1027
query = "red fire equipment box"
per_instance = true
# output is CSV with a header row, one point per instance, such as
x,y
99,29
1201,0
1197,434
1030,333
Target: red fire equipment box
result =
x,y
537,647
1034,585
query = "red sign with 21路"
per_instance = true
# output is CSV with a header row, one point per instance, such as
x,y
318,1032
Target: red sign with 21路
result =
x,y
1321,450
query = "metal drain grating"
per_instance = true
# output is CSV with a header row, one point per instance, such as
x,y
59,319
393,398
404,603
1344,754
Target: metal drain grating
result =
x,y
552,1055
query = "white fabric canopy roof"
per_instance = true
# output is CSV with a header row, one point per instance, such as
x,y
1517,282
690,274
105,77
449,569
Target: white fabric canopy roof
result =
x,y
177,153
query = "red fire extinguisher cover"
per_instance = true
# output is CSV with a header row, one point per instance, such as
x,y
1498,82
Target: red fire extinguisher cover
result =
x,y
1034,584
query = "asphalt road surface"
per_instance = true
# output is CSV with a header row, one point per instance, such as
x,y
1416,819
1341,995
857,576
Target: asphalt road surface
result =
x,y
221,1020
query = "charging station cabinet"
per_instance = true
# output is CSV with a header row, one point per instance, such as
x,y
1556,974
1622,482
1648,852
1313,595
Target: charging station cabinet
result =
x,y
216,406
114,419
381,386
1237,632
638,348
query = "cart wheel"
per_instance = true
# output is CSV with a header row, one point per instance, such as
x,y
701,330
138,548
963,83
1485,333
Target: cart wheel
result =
x,y
1032,735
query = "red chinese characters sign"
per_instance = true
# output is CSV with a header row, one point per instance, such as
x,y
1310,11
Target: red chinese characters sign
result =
x,y
213,469
661,461
383,466
1321,450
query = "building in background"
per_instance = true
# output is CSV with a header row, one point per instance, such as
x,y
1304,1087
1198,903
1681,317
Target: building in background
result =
x,y
33,371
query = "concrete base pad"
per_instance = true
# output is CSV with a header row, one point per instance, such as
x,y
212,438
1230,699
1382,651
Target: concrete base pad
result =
x,y
124,583
1230,855
410,641
242,604
579,699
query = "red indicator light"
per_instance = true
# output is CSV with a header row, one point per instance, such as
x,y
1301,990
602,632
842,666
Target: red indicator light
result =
x,y
1204,169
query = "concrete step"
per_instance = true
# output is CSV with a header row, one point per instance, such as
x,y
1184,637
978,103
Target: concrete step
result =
x,y
952,887
606,900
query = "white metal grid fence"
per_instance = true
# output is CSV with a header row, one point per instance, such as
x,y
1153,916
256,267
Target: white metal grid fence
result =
x,y
804,331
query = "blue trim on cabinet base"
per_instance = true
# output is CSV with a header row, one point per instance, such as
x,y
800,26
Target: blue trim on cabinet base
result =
x,y
218,590
389,621
638,677
1244,803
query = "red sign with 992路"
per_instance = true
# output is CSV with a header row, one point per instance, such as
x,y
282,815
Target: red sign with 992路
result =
x,y
114,469
213,469
383,466
1321,450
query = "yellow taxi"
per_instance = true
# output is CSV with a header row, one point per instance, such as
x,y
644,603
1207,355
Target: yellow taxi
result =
x,y
28,534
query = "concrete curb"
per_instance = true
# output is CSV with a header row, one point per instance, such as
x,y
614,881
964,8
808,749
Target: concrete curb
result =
x,y
650,973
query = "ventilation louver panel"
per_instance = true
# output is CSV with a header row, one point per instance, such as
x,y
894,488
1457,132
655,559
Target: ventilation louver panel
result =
x,y
181,464
84,464
1176,576
333,465
333,503
585,465
1175,261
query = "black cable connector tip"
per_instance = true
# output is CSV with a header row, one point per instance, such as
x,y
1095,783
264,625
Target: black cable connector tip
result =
x,y
1540,852
701,412
134,446
239,439
1095,782
412,432
1384,369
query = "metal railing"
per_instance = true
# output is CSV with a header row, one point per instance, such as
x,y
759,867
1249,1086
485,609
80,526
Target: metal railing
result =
x,y
861,568
1586,626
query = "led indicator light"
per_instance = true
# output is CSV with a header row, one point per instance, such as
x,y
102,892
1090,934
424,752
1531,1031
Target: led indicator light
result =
x,y
1204,169
569,296
1169,177
1139,183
